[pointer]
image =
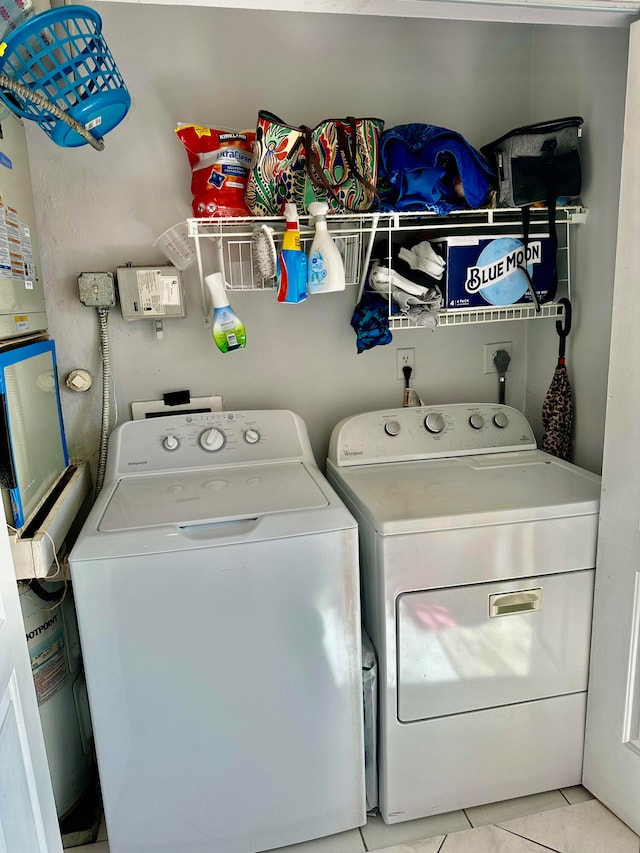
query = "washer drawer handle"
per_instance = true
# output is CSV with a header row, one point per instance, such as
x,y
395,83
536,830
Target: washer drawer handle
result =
x,y
509,603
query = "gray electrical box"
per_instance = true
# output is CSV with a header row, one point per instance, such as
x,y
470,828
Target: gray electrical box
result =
x,y
151,293
97,289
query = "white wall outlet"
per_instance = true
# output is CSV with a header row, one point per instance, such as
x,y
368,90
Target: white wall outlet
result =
x,y
405,358
489,353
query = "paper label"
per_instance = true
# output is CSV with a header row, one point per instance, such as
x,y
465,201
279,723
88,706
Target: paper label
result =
x,y
157,291
48,659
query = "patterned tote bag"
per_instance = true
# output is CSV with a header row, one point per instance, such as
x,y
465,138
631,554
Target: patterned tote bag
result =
x,y
336,161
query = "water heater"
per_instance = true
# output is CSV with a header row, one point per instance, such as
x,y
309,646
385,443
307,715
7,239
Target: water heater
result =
x,y
56,663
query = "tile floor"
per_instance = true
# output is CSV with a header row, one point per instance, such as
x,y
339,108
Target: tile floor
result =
x,y
564,821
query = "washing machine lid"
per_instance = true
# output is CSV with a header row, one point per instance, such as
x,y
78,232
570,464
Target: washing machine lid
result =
x,y
438,494
210,496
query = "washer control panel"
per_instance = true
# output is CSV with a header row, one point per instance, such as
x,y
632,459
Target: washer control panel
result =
x,y
207,439
429,432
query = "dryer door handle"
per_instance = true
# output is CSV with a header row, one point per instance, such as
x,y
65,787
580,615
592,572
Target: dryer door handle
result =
x,y
511,603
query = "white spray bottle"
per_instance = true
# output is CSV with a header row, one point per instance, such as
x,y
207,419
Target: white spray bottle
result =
x,y
325,267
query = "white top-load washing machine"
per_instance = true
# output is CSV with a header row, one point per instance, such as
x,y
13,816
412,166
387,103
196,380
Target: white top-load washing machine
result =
x,y
477,564
216,583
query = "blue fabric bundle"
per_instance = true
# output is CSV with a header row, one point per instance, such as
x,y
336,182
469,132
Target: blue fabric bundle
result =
x,y
424,167
370,321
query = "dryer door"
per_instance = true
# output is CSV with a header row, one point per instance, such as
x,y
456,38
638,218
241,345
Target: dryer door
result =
x,y
471,647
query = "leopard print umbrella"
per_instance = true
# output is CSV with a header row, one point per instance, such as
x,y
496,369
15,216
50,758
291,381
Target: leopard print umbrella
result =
x,y
557,408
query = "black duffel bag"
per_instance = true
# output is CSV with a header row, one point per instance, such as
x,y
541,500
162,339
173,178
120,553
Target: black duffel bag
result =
x,y
538,163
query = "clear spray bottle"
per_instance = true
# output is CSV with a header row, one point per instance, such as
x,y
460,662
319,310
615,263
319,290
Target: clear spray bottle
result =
x,y
325,267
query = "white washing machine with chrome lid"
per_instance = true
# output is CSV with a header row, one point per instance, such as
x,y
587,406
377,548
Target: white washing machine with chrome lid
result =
x,y
216,584
477,566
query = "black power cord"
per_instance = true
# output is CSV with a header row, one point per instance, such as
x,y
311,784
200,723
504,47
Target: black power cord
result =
x,y
45,594
501,360
407,370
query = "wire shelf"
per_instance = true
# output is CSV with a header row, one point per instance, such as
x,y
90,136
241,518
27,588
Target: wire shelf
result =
x,y
357,234
469,317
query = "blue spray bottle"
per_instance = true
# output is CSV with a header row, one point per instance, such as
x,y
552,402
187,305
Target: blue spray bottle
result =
x,y
292,261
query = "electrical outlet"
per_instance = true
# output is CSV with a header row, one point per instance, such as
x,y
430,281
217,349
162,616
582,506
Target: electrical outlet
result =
x,y
405,358
489,353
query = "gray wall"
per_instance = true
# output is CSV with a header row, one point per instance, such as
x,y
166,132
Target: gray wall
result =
x,y
583,71
98,211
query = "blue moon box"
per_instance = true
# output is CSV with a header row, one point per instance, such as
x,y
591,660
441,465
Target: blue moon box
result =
x,y
483,273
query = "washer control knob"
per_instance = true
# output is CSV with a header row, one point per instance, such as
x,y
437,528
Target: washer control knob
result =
x,y
212,440
476,421
252,436
501,420
434,422
171,442
392,427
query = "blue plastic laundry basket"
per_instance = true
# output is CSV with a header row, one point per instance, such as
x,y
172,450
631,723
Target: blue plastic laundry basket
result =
x,y
62,56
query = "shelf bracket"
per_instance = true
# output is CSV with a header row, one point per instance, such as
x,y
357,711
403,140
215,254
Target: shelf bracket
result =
x,y
577,217
192,227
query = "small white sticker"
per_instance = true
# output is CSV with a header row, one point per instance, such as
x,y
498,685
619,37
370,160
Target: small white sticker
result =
x,y
28,284
93,123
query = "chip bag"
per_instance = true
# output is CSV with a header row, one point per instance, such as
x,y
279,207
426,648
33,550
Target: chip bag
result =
x,y
220,162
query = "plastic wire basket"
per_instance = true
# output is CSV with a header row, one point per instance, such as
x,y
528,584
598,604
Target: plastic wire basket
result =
x,y
62,56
